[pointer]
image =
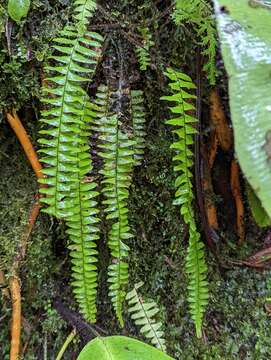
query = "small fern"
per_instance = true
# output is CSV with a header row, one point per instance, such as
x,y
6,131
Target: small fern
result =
x,y
200,14
83,10
184,130
143,314
64,98
143,52
117,152
138,120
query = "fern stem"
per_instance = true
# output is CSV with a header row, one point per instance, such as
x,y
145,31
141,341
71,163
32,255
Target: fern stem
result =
x,y
67,342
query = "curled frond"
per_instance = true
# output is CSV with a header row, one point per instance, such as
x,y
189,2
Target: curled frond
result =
x,y
143,313
138,120
183,121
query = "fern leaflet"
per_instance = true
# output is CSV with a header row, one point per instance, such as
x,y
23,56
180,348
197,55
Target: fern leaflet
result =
x,y
138,119
143,314
184,130
143,52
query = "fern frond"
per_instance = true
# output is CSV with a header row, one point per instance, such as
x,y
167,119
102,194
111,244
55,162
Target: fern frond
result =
x,y
117,152
200,14
64,99
184,131
143,52
138,120
83,10
102,101
82,224
143,314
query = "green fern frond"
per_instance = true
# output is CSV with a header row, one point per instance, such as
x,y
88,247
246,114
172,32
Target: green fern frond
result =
x,y
143,52
143,314
138,120
184,131
117,152
82,224
102,101
200,14
64,98
83,10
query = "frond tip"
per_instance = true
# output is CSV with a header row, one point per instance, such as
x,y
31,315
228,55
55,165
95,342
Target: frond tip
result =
x,y
143,314
199,13
184,131
83,10
143,52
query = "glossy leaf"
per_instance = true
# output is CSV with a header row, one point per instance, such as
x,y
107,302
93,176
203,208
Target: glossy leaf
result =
x,y
120,348
258,212
244,28
17,9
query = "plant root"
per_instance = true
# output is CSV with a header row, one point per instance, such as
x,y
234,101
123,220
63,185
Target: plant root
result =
x,y
14,282
15,291
219,121
237,195
22,136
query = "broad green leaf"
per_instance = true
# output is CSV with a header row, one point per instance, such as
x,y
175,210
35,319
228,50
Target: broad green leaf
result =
x,y
258,212
245,34
17,9
120,348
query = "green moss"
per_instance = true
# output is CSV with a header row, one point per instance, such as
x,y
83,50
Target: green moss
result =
x,y
25,48
40,268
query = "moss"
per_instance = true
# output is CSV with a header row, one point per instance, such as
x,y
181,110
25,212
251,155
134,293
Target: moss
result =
x,y
25,48
39,270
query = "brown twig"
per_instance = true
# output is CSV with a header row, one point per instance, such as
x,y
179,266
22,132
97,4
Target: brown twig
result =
x,y
237,195
213,149
22,136
207,187
15,291
14,281
21,251
219,121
